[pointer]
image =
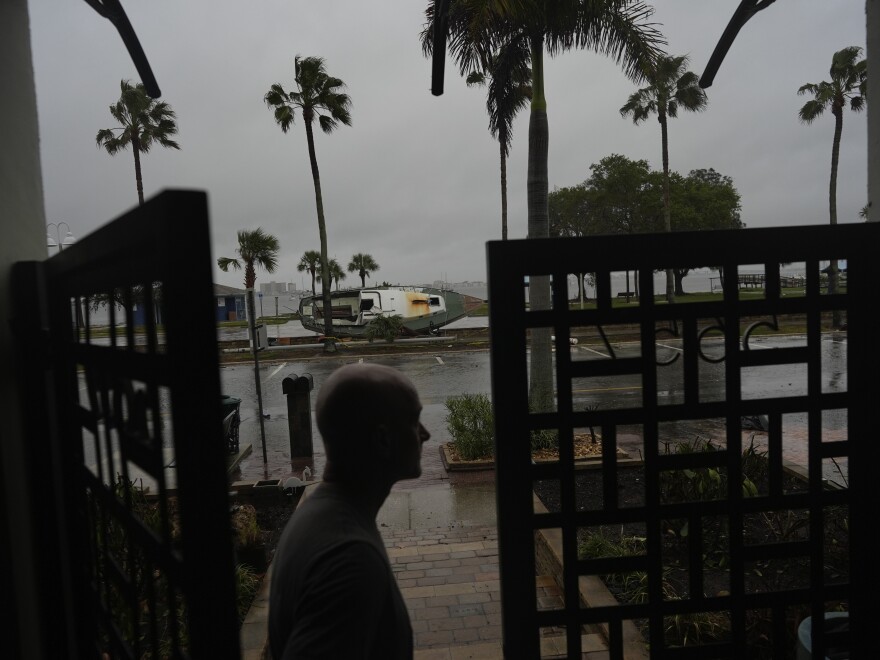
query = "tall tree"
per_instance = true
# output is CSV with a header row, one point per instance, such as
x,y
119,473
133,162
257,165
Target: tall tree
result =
x,y
619,188
625,196
143,122
336,273
507,76
849,79
703,200
617,28
363,265
310,262
670,87
255,248
318,96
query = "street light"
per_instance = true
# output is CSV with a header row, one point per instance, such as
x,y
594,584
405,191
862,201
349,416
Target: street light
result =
x,y
68,240
56,241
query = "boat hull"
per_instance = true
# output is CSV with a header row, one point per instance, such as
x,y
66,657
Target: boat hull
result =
x,y
423,310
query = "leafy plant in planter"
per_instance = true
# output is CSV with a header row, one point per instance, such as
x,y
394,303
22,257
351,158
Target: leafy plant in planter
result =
x,y
249,546
247,582
544,438
388,327
471,424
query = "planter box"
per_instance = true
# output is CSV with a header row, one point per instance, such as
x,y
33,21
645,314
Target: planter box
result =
x,y
591,589
267,489
451,464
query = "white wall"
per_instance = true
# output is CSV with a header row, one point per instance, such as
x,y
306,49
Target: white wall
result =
x,y
22,223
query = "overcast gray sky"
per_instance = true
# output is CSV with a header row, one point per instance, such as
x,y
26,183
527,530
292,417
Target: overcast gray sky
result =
x,y
415,181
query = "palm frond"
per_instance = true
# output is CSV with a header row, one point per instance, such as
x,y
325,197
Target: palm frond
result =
x,y
811,111
226,262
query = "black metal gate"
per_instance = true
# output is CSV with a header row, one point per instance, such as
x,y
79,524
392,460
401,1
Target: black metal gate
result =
x,y
127,453
694,341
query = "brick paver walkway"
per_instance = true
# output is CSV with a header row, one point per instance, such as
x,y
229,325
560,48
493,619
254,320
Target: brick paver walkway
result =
x,y
450,583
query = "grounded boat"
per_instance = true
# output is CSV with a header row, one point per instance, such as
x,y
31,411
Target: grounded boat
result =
x,y
423,310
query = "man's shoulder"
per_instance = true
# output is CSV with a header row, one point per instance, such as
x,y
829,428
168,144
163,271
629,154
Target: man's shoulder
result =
x,y
325,523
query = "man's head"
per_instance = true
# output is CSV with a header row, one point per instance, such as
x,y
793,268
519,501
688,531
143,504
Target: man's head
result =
x,y
368,416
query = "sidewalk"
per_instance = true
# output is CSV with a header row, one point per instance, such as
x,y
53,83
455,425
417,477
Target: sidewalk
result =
x,y
443,547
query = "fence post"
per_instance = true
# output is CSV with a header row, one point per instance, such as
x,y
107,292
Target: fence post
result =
x,y
298,389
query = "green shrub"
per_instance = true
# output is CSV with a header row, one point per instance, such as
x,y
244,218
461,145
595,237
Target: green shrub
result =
x,y
247,582
543,438
386,327
471,425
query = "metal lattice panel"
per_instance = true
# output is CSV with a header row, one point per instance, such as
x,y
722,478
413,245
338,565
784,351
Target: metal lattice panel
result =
x,y
137,436
662,385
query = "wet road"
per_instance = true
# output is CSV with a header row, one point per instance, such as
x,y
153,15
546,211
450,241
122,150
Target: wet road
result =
x,y
442,375
437,377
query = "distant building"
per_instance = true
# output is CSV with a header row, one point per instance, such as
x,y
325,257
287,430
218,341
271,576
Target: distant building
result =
x,y
231,305
273,288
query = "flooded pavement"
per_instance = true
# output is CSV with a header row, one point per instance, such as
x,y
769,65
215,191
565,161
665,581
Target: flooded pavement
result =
x,y
441,375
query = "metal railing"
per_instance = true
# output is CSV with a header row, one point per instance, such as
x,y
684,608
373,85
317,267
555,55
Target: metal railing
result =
x,y
731,322
127,435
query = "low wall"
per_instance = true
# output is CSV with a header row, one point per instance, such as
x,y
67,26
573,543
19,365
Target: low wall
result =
x,y
592,591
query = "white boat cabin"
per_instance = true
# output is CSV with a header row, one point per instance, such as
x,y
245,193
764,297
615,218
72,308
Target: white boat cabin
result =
x,y
359,307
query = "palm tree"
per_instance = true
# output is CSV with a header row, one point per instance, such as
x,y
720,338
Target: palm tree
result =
x,y
507,75
363,265
143,123
849,79
670,87
255,248
310,261
336,273
318,96
616,28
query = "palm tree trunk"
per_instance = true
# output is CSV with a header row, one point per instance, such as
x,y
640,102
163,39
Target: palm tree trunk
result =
x,y
667,219
322,231
363,275
832,206
501,142
136,150
541,364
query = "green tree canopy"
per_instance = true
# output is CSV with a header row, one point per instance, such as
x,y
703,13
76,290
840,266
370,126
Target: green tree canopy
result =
x,y
363,265
626,196
255,248
318,96
143,122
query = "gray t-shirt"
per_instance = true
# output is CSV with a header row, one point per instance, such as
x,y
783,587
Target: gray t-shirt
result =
x,y
333,594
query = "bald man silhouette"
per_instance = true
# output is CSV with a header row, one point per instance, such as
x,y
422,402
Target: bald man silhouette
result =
x,y
333,594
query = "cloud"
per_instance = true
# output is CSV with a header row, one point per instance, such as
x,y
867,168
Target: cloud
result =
x,y
415,180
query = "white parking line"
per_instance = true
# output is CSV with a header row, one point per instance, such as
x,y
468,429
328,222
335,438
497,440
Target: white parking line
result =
x,y
439,361
672,348
281,366
592,350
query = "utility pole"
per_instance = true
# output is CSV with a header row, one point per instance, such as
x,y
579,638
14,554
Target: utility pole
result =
x,y
254,350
